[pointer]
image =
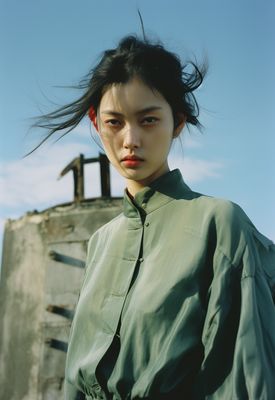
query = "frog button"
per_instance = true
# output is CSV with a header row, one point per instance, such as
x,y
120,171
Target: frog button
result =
x,y
96,387
98,392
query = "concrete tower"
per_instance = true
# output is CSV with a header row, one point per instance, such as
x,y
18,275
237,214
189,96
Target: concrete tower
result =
x,y
43,265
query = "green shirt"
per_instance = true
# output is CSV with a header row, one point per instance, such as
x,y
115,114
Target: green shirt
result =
x,y
176,302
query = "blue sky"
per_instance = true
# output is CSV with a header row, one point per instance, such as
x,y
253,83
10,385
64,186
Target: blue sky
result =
x,y
51,43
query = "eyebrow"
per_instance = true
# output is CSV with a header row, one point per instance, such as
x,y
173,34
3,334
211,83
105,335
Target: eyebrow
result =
x,y
142,111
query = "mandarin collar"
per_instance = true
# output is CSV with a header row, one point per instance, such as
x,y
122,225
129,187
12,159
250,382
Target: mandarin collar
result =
x,y
164,189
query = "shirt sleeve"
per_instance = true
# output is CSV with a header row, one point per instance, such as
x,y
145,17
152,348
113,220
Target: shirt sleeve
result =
x,y
239,331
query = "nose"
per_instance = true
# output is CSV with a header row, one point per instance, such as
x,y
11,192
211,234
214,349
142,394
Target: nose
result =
x,y
131,137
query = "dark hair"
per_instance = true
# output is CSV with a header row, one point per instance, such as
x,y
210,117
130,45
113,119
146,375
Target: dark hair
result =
x,y
158,68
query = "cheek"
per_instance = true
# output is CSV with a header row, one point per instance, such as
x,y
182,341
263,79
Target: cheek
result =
x,y
104,140
164,142
109,147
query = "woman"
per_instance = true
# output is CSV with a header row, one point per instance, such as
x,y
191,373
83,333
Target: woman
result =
x,y
176,301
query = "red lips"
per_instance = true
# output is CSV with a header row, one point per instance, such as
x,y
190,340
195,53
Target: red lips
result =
x,y
132,161
132,158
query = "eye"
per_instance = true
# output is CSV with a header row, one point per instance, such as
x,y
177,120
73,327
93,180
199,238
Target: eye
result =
x,y
113,122
150,120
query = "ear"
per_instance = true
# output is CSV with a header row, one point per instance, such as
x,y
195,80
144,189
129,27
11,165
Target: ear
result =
x,y
180,120
92,116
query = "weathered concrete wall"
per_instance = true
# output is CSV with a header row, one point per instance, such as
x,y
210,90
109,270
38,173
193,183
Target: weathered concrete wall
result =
x,y
37,272
21,308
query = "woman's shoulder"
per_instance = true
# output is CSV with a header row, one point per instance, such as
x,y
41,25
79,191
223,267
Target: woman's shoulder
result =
x,y
222,211
233,229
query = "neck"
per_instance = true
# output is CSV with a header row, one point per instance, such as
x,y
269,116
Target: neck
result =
x,y
133,187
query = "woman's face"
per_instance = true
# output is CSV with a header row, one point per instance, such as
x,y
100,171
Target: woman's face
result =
x,y
136,127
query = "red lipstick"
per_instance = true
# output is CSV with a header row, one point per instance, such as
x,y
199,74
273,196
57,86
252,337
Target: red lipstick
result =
x,y
132,161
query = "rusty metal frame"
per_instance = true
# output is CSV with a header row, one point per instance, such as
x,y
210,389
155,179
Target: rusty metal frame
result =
x,y
77,166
